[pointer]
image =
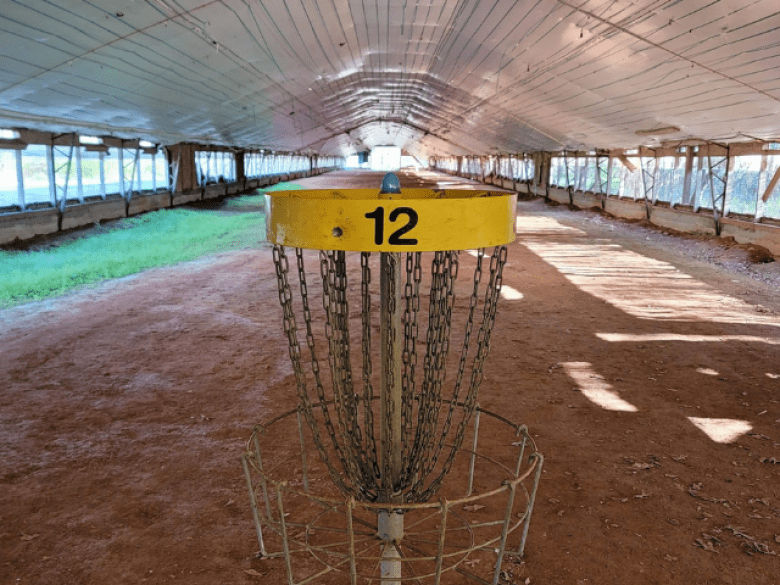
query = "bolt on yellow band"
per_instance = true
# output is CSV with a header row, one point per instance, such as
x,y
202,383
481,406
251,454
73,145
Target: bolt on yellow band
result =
x,y
421,220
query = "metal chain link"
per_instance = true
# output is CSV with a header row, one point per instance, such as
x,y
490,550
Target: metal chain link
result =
x,y
368,389
333,272
497,262
390,265
423,442
285,298
409,358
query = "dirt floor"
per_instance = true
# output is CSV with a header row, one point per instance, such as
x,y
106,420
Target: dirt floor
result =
x,y
645,364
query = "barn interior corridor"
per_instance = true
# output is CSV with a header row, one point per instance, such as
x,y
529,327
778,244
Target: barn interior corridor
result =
x,y
650,376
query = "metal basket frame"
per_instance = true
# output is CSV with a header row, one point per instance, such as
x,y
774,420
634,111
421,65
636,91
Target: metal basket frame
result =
x,y
271,501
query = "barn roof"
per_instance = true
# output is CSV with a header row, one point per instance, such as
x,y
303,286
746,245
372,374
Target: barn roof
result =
x,y
435,77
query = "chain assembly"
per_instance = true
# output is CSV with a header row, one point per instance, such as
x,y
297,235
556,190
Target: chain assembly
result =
x,y
345,424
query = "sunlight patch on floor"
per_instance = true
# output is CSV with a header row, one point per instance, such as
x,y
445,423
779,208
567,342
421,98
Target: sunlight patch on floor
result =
x,y
641,286
595,388
722,430
531,225
642,337
510,294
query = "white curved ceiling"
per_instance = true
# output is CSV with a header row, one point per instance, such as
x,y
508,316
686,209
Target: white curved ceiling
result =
x,y
432,76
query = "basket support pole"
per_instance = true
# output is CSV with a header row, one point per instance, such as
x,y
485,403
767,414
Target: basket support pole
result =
x,y
390,524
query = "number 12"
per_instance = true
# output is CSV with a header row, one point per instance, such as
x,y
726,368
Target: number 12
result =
x,y
395,239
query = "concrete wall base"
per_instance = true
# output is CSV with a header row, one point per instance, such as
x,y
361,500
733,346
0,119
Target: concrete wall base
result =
x,y
28,224
213,191
144,203
746,232
702,222
186,197
683,221
88,213
559,195
625,208
586,200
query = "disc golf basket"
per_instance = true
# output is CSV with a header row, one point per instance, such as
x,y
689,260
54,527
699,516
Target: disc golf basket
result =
x,y
391,472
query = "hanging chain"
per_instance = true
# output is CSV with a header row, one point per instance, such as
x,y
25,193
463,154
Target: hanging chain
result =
x,y
368,389
333,272
285,298
497,262
352,435
409,357
473,299
389,264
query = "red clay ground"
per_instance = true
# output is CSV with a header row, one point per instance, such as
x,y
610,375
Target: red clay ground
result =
x,y
649,376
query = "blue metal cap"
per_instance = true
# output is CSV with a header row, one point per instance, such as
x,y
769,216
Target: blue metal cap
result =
x,y
390,184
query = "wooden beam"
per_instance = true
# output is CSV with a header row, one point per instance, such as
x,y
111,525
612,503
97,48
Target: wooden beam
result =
x,y
771,186
626,163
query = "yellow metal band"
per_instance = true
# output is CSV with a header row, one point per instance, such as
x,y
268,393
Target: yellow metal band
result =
x,y
420,220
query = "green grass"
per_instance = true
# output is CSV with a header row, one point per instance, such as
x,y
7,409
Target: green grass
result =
x,y
258,199
125,247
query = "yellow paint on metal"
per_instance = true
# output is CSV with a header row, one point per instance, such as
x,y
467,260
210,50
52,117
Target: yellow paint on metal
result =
x,y
420,220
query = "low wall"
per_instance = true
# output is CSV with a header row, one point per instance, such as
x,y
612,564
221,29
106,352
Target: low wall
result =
x,y
559,195
585,200
213,191
186,197
143,203
683,221
88,213
625,208
746,232
28,224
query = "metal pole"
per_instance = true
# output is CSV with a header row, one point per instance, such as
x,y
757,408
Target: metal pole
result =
x,y
391,524
79,178
20,180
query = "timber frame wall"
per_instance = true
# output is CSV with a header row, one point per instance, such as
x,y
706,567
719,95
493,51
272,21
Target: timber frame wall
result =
x,y
694,187
62,180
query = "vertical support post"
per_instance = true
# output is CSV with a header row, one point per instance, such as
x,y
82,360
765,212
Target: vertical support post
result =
x,y
504,532
473,451
79,178
122,171
762,183
687,198
648,181
102,156
531,501
698,181
390,524
138,170
154,172
263,482
442,537
253,504
52,178
19,180
726,207
350,505
283,531
713,199
391,331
